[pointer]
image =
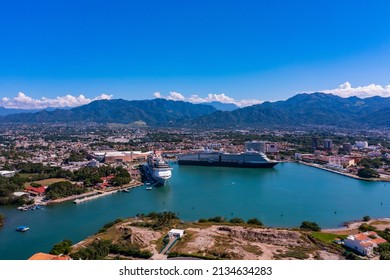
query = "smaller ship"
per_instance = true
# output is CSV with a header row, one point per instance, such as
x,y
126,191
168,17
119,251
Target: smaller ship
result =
x,y
158,169
148,188
22,228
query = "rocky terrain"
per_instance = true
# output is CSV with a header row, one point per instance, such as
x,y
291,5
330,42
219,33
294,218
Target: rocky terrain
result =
x,y
215,241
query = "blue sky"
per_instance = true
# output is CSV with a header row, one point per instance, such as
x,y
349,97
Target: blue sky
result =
x,y
254,50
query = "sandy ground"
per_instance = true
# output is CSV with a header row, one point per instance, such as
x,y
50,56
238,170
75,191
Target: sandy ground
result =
x,y
235,242
247,243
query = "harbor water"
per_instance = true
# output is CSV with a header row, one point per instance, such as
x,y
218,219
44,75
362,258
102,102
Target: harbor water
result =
x,y
282,196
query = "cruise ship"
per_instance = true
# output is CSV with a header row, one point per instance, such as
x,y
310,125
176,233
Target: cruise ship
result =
x,y
249,159
158,169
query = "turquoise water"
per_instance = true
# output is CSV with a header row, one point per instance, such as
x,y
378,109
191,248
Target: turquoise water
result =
x,y
282,196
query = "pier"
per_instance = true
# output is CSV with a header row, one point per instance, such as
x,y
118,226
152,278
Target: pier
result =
x,y
88,198
102,193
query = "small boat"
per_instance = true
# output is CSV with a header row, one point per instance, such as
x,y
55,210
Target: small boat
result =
x,y
22,228
147,184
148,188
126,190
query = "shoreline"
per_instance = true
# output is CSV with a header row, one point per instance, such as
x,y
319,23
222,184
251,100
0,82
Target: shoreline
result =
x,y
133,185
354,225
318,166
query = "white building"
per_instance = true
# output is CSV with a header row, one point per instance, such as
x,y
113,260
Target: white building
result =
x,y
361,144
257,146
176,233
364,243
272,148
6,173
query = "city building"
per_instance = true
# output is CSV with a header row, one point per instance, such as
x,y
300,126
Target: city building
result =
x,y
257,146
340,162
121,156
272,148
315,143
347,147
361,144
36,191
328,144
364,243
6,173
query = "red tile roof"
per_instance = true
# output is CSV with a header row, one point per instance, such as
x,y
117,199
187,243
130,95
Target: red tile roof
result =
x,y
44,256
40,189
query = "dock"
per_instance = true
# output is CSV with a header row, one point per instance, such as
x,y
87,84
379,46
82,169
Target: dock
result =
x,y
89,198
103,193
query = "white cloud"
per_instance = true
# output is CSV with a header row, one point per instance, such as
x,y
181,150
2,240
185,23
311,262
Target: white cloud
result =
x,y
346,90
173,95
194,98
22,101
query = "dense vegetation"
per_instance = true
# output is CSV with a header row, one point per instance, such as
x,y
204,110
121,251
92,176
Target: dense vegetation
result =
x,y
63,189
110,224
372,162
368,173
8,186
237,221
384,251
310,226
39,171
220,219
122,177
62,248
254,221
99,250
130,250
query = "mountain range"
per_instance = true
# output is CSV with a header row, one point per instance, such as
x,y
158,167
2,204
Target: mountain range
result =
x,y
156,112
301,110
314,109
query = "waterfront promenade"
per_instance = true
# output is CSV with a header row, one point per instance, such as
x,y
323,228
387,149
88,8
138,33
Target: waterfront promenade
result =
x,y
95,193
319,166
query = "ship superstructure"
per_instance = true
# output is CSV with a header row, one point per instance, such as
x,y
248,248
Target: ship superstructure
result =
x,y
158,169
249,159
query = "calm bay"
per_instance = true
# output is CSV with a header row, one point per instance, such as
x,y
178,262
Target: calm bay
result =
x,y
282,196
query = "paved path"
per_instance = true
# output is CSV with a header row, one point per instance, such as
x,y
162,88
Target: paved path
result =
x,y
166,248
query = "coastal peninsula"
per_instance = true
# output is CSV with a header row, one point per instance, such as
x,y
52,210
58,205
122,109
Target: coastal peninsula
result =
x,y
152,237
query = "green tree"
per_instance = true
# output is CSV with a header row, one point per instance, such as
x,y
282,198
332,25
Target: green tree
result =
x,y
97,250
366,218
310,226
62,248
122,177
217,219
366,227
254,221
368,173
63,189
384,251
236,221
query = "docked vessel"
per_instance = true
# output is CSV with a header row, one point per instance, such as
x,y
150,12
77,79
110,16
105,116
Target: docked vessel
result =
x,y
247,159
158,169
